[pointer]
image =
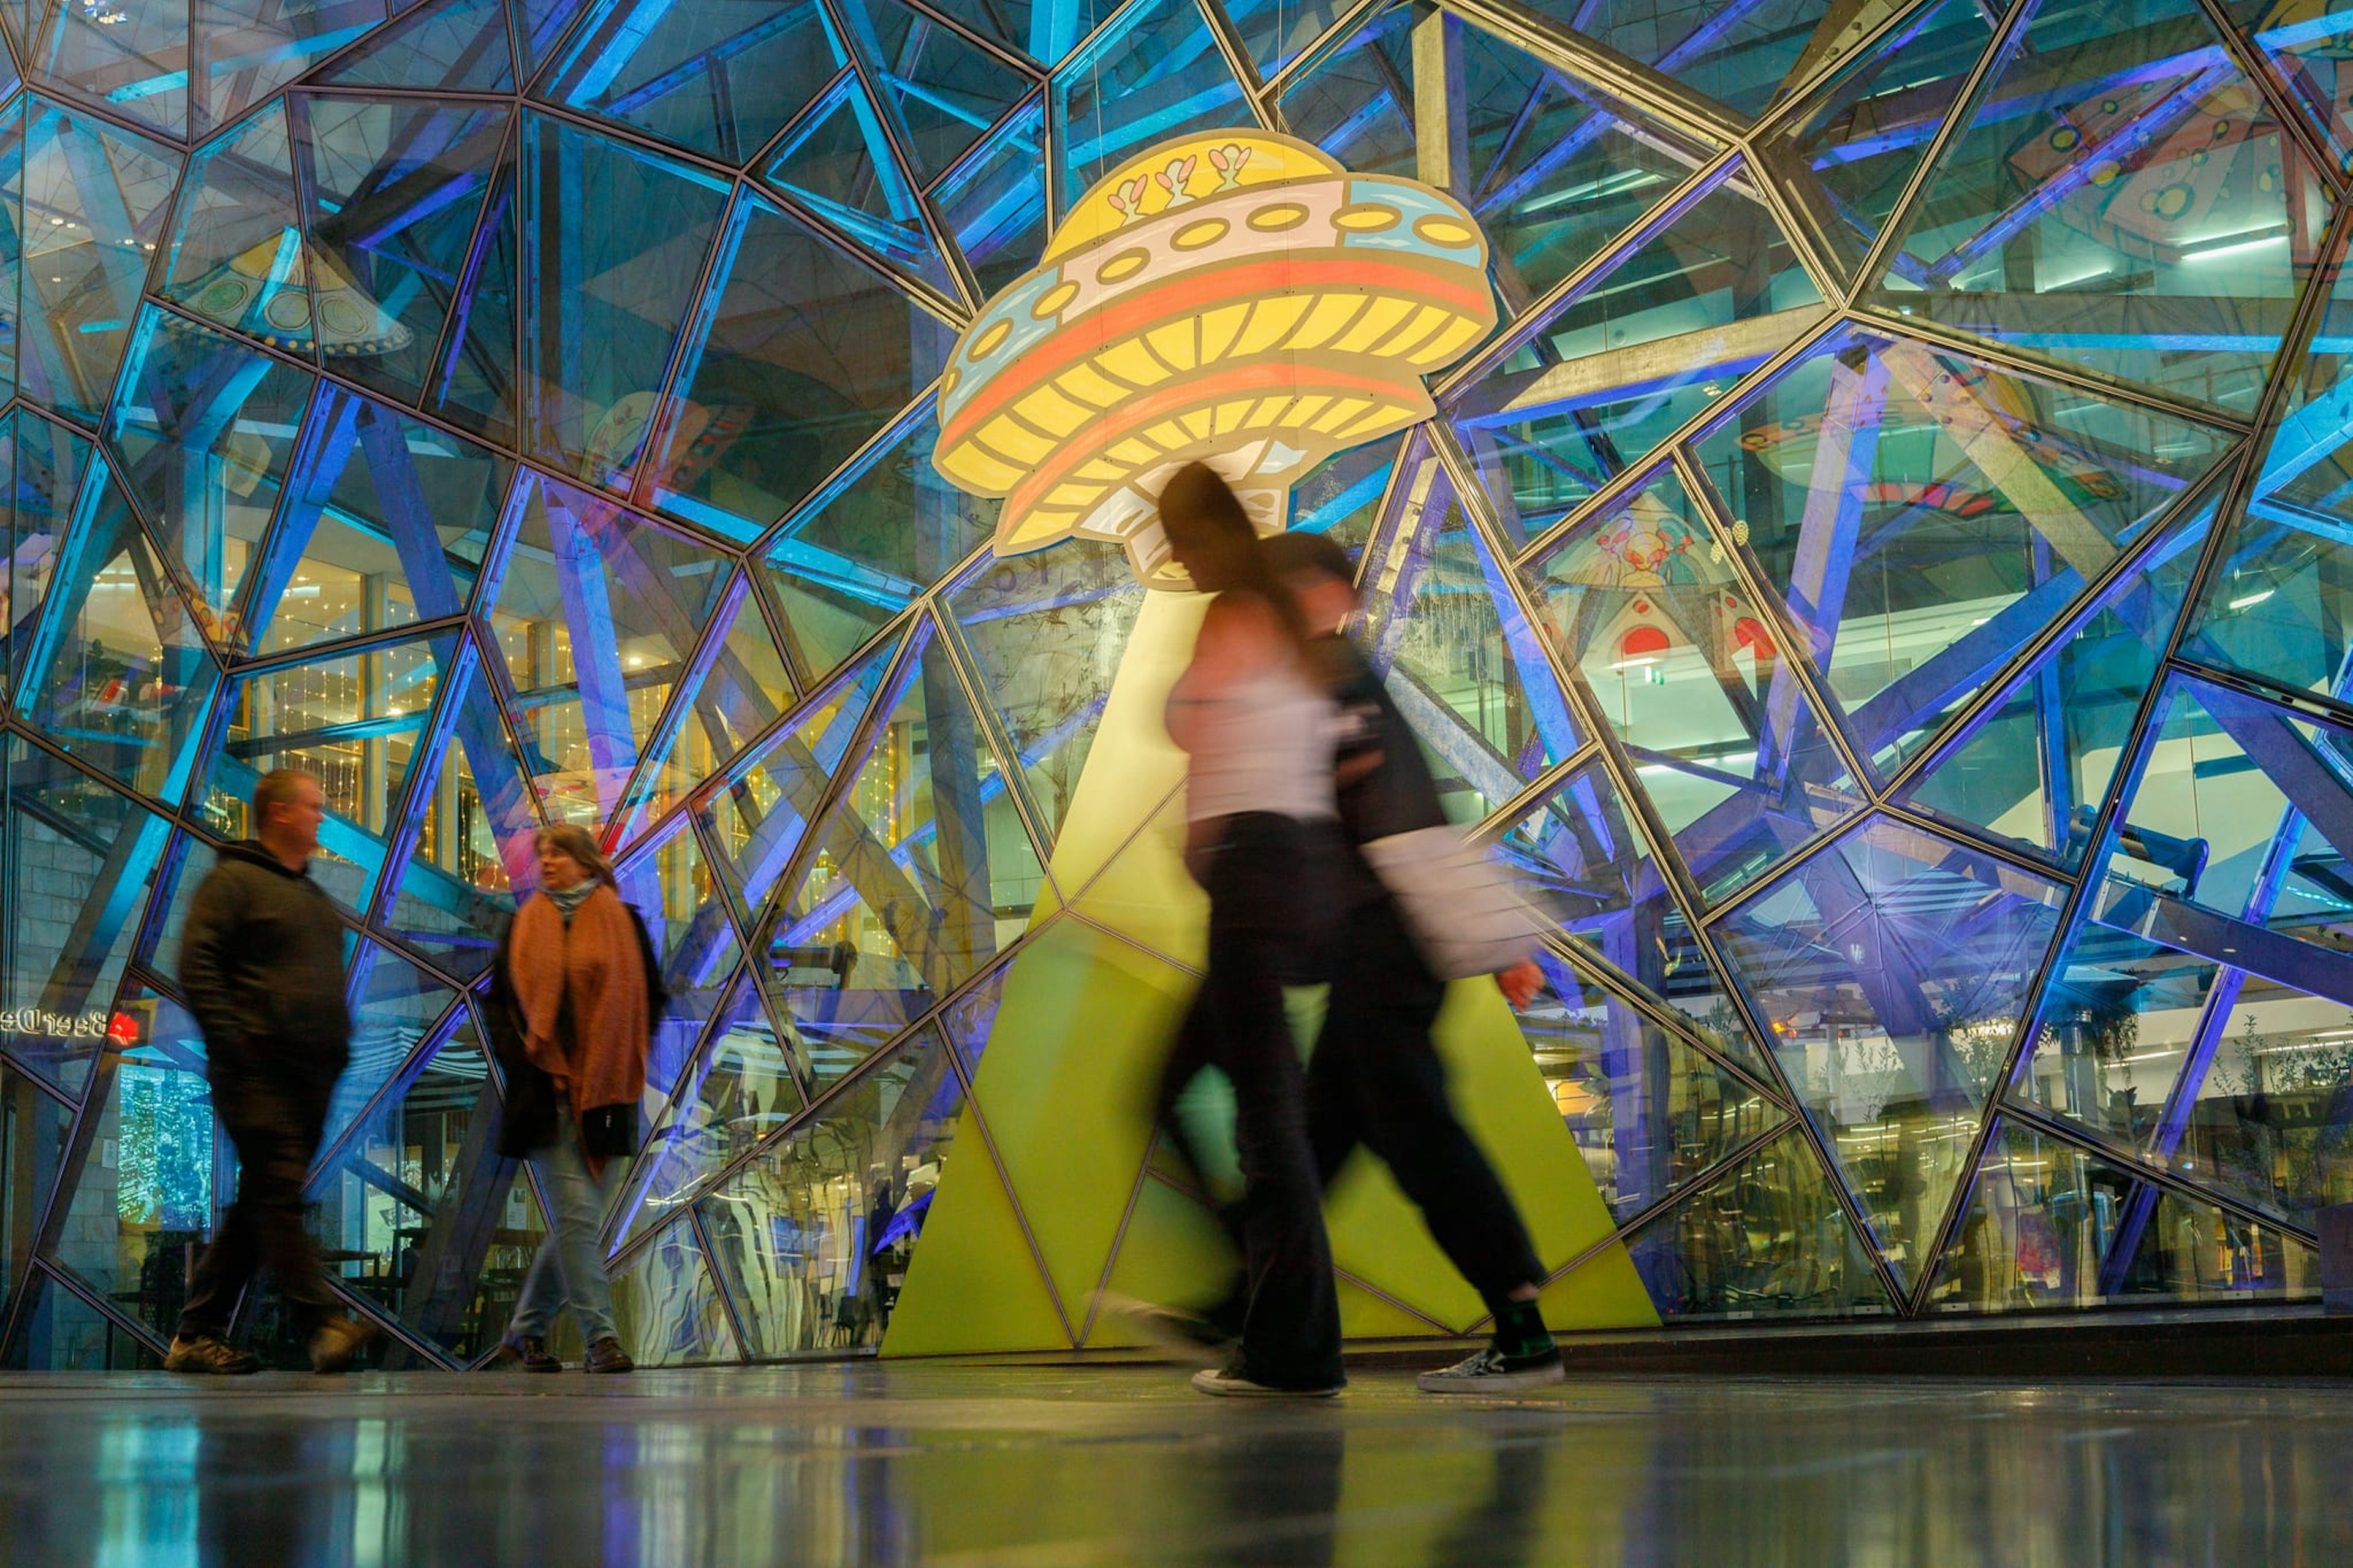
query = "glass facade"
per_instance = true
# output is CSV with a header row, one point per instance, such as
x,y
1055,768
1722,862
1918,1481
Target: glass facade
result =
x,y
1888,579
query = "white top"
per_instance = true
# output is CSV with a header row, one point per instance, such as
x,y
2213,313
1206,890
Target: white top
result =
x,y
1265,745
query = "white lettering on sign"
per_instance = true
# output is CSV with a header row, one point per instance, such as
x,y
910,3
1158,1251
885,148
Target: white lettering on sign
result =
x,y
56,1026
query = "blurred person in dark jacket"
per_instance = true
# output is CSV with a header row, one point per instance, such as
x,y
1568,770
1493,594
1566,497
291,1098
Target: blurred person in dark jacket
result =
x,y
261,960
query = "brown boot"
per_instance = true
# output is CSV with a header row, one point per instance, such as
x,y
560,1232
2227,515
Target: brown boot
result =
x,y
337,1341
606,1355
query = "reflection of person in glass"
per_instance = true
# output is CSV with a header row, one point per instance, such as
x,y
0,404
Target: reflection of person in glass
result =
x,y
575,997
1259,729
262,962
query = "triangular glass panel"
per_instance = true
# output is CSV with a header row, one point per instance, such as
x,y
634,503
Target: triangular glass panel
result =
x,y
1650,1112
236,252
1646,605
205,430
1155,72
455,46
994,203
814,1239
2161,225
888,530
757,815
1341,497
2035,767
738,1091
1583,855
1045,631
666,1306
428,1223
1635,354
720,79
1276,32
1846,156
398,1010
1709,1258
839,161
613,297
2193,1252
922,873
1745,58
44,465
1921,515
731,694
806,355
84,859
473,383
473,852
1465,666
675,891
539,25
359,723
1045,33
143,1203
1657,951
118,673
973,1019
598,611
944,89
275,43
387,521
2302,39
95,199
58,1331
1552,172
12,235
135,59
392,189
39,1125
1896,969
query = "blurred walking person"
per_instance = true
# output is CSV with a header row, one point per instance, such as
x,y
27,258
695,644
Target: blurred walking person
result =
x,y
1260,831
262,961
576,992
1376,1079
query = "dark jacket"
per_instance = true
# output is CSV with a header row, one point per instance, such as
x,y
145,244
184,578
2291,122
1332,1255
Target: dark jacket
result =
x,y
528,1124
261,960
1398,795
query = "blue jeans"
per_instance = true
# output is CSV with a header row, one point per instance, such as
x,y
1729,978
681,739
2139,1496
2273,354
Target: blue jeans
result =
x,y
570,1267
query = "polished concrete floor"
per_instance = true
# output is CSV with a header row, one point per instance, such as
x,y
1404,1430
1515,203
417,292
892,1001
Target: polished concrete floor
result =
x,y
1121,1465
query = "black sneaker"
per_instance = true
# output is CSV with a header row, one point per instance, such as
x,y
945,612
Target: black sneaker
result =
x,y
209,1354
1492,1371
529,1351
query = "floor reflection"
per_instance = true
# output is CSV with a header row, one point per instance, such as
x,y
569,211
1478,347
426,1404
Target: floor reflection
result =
x,y
952,1465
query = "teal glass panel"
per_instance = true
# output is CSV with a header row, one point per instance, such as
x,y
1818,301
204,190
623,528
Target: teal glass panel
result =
x,y
397,1010
95,200
459,46
235,256
12,232
472,383
44,465
942,89
2158,223
1277,32
1744,57
611,280
392,191
1894,970
838,161
994,203
844,569
135,60
274,44
1155,72
718,78
803,355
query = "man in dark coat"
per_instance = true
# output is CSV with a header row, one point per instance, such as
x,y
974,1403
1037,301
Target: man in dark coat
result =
x,y
261,960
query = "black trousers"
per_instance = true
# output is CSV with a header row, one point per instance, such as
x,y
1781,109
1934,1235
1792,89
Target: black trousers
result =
x,y
1265,880
1376,1080
275,1128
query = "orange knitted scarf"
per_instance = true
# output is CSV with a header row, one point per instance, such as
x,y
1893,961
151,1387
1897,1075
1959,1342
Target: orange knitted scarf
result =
x,y
595,964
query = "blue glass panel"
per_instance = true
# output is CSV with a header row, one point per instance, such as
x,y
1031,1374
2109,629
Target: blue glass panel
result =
x,y
1276,32
737,1091
733,692
387,521
1155,72
1742,55
12,234
455,45
1894,969
944,90
539,25
274,42
236,253
994,202
839,161
118,673
94,200
205,432
1645,604
1342,495
895,527
472,383
802,356
598,611
2303,39
720,78
612,277
395,1008
82,859
1464,665
2155,217
392,192
134,60
678,894
1583,855
45,462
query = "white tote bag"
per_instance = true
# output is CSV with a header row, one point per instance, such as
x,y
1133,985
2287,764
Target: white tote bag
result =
x,y
1465,906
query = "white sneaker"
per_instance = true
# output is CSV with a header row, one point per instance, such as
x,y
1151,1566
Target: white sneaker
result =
x,y
1492,1371
1227,1383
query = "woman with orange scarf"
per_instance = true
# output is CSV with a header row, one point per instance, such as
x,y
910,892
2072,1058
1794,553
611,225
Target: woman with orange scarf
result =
x,y
575,993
